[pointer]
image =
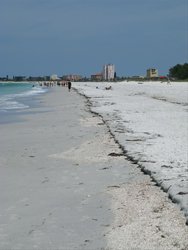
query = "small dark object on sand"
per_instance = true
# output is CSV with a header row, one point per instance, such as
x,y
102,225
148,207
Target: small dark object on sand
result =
x,y
182,193
115,154
108,88
114,186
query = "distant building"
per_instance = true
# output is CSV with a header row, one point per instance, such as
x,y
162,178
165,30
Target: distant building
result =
x,y
54,77
97,77
108,72
151,73
72,77
137,77
19,78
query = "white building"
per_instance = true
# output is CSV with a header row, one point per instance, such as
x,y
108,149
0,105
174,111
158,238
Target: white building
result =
x,y
54,77
108,72
152,73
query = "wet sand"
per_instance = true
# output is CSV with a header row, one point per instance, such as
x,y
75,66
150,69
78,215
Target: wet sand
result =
x,y
66,185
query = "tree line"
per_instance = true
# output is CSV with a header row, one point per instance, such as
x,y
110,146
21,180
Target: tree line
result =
x,y
179,71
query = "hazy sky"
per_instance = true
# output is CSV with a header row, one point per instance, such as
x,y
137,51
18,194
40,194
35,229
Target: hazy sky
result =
x,y
44,37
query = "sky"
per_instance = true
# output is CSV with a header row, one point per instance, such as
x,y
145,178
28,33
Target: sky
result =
x,y
45,37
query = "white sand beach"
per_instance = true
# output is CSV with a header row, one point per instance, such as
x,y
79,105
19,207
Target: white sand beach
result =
x,y
66,184
150,122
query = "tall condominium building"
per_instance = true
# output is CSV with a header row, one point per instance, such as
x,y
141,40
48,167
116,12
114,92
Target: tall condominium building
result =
x,y
108,72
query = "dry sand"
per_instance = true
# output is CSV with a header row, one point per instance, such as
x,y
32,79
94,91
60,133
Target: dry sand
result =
x,y
60,188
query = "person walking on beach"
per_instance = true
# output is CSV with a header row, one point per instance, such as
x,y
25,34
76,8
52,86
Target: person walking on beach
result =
x,y
69,86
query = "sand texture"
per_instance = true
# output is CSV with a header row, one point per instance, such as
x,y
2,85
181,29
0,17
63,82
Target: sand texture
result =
x,y
65,184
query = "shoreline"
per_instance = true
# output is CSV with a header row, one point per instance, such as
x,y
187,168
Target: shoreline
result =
x,y
15,102
66,191
143,169
141,144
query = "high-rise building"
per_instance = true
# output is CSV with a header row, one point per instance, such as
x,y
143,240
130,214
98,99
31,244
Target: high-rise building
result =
x,y
108,72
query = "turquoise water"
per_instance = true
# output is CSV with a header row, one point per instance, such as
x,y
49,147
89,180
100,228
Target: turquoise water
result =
x,y
13,95
13,88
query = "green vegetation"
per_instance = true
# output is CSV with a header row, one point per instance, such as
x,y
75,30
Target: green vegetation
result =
x,y
179,71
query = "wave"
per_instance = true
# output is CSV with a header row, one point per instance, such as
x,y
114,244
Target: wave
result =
x,y
15,101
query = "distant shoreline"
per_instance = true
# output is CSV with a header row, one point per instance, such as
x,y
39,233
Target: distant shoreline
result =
x,y
102,81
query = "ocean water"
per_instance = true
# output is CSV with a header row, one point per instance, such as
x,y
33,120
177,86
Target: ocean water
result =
x,y
16,97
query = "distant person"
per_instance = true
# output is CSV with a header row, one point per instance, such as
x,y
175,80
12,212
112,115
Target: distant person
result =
x,y
69,86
